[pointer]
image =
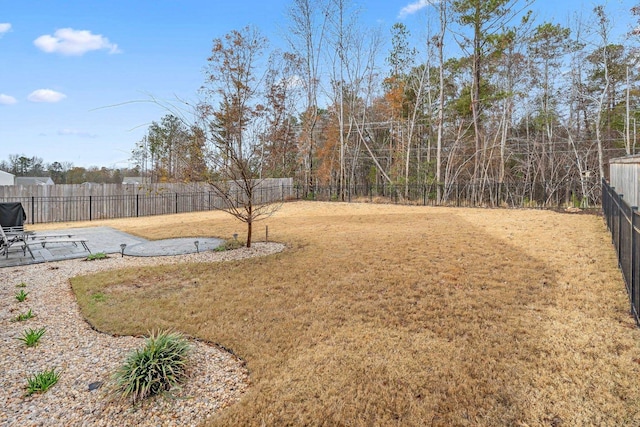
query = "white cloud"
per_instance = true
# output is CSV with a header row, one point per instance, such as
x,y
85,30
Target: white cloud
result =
x,y
46,95
68,41
412,8
75,132
5,27
7,100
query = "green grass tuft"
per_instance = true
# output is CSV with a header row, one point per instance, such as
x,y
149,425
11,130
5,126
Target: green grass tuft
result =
x,y
31,337
22,295
23,316
42,381
229,245
97,256
98,297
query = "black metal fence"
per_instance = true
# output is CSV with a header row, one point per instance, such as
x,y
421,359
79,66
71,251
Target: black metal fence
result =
x,y
485,194
623,223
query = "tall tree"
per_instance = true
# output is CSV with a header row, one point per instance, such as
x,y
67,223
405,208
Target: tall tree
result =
x,y
439,42
306,37
603,29
401,60
485,20
547,48
21,165
279,148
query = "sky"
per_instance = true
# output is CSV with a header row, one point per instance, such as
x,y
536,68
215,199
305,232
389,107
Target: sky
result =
x,y
77,78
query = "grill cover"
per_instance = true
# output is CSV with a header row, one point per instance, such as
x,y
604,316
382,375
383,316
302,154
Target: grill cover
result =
x,y
12,214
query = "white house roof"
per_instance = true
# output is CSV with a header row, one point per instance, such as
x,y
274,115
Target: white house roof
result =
x,y
6,178
132,180
34,180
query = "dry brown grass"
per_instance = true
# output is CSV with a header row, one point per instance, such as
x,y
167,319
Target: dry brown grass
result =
x,y
392,315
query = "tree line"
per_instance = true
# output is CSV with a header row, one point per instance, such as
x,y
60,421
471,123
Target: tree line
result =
x,y
63,172
486,97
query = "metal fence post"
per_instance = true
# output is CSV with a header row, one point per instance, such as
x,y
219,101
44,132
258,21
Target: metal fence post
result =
x,y
619,242
90,202
33,209
137,205
612,202
634,297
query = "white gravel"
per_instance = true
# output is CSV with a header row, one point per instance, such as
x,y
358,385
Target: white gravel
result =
x,y
85,356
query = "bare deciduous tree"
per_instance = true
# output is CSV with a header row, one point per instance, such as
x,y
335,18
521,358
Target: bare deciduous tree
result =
x,y
233,82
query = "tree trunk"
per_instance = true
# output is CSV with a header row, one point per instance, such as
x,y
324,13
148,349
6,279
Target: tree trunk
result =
x,y
443,26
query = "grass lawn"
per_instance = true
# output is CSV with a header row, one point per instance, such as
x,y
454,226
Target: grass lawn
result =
x,y
396,315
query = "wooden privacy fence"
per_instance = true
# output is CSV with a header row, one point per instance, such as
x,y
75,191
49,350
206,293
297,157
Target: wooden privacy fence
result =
x,y
106,201
623,222
624,176
92,189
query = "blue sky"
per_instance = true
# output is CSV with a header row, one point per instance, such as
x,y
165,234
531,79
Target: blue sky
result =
x,y
70,69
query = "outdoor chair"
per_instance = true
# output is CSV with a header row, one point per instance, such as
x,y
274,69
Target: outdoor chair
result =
x,y
9,239
12,217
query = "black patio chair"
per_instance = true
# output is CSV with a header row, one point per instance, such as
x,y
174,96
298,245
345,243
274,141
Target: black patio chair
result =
x,y
12,217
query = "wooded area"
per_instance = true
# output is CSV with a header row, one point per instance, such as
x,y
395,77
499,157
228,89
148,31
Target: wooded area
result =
x,y
486,96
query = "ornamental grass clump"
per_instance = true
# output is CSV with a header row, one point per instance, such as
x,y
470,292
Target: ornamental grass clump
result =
x,y
31,337
21,296
23,316
157,367
42,381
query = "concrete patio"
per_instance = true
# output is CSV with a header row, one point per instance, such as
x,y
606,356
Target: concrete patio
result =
x,y
107,240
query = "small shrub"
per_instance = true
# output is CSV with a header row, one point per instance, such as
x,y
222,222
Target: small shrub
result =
x,y
22,295
158,366
23,316
42,381
229,245
21,285
30,337
96,256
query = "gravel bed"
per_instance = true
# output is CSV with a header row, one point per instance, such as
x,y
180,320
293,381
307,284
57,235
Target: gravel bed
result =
x,y
85,356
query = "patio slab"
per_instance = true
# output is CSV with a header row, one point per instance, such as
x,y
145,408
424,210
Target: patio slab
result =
x,y
107,240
